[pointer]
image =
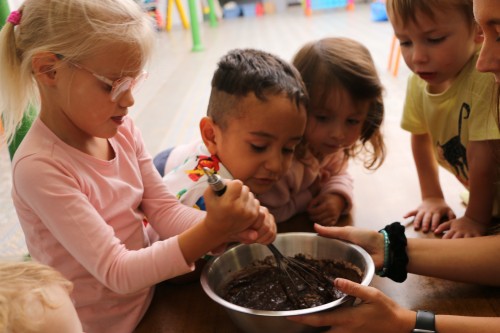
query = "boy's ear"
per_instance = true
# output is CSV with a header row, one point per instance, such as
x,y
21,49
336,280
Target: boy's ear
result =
x,y
44,67
208,130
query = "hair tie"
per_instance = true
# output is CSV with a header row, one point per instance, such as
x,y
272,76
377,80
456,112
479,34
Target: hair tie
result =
x,y
14,17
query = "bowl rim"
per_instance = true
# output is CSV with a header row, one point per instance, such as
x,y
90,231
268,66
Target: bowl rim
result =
x,y
369,273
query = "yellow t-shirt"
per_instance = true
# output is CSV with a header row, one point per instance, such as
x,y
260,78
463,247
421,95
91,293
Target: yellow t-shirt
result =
x,y
466,112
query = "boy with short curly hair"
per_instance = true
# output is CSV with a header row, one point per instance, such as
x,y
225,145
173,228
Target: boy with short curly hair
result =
x,y
450,112
256,117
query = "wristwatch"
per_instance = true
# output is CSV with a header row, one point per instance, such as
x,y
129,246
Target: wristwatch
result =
x,y
425,322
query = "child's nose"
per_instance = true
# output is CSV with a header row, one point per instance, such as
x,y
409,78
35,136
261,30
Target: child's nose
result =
x,y
126,99
337,131
274,163
419,54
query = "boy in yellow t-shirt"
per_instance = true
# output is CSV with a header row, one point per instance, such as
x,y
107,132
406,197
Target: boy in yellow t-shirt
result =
x,y
450,112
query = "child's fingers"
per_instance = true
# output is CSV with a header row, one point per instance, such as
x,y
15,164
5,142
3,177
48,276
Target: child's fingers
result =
x,y
417,222
442,227
410,214
234,189
266,227
248,236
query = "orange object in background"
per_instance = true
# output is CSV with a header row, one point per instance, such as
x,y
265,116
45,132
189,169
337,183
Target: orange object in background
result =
x,y
269,7
394,56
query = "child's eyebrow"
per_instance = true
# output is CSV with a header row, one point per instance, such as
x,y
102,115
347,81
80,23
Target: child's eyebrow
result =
x,y
271,136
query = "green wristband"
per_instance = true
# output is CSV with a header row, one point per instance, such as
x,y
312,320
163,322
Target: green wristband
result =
x,y
387,244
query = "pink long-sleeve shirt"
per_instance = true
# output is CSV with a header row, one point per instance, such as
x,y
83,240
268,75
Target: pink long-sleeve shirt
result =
x,y
84,217
291,194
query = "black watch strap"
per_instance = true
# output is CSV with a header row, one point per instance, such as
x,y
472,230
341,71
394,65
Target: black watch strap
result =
x,y
425,322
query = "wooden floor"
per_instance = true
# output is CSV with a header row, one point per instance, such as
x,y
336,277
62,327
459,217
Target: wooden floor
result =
x,y
174,98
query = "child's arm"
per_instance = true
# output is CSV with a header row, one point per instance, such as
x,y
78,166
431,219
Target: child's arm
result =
x,y
483,164
433,207
228,215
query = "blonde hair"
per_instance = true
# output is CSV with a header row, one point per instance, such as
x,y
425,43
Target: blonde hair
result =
x,y
343,63
22,283
77,29
406,10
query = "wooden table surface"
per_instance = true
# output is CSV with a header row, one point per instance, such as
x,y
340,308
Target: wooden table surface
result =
x,y
186,308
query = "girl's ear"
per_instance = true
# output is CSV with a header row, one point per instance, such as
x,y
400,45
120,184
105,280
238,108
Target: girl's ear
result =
x,y
44,67
208,130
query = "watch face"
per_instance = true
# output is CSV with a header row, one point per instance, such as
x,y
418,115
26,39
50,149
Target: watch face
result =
x,y
419,330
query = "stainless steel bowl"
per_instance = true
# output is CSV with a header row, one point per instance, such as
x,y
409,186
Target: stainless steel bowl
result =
x,y
219,271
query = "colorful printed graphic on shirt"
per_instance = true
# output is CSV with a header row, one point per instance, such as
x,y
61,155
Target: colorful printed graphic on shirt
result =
x,y
200,203
211,162
454,153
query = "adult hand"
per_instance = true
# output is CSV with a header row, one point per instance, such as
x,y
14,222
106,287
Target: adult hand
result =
x,y
376,313
370,240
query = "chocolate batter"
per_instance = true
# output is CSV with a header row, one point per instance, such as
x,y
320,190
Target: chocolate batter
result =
x,y
263,286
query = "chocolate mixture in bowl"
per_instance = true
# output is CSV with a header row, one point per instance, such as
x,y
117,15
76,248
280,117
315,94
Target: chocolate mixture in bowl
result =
x,y
263,286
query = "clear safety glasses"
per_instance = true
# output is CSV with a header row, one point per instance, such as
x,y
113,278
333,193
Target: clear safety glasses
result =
x,y
119,86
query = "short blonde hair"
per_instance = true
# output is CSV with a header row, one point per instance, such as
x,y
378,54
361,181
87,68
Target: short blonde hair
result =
x,y
21,283
77,29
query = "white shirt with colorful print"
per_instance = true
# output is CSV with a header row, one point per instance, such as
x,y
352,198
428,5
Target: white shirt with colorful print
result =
x,y
184,175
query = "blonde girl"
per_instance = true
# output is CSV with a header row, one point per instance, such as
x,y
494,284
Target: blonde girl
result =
x,y
83,182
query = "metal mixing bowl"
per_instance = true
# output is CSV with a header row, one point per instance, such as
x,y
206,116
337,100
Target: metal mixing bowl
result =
x,y
219,271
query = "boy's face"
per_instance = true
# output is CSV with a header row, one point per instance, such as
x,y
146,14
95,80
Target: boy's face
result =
x,y
436,50
334,123
487,13
257,146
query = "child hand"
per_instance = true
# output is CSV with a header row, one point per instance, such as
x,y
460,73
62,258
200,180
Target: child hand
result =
x,y
463,227
234,212
370,240
377,313
326,208
430,213
263,231
315,187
